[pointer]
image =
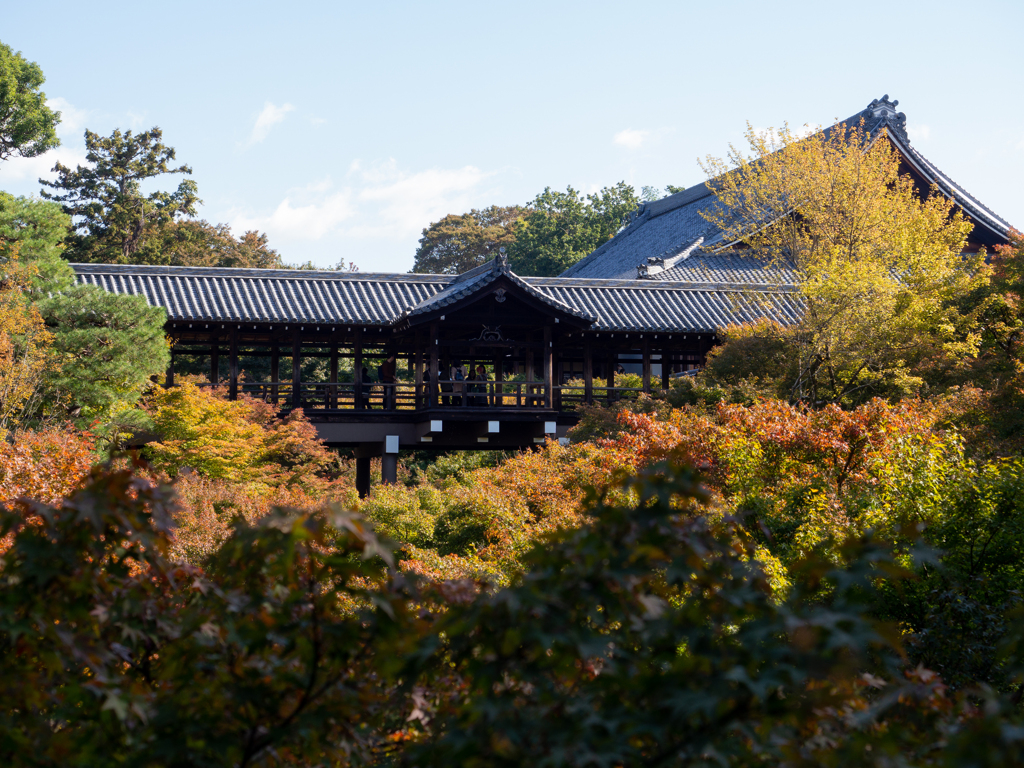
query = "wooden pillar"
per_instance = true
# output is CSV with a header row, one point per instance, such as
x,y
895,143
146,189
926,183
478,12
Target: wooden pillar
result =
x,y
434,368
275,371
389,468
296,369
546,356
332,398
418,376
233,369
357,369
214,362
169,382
666,369
588,373
647,365
499,372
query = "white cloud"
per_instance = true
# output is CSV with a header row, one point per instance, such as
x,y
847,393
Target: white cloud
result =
x,y
267,119
919,132
632,138
303,222
376,201
29,169
72,120
408,202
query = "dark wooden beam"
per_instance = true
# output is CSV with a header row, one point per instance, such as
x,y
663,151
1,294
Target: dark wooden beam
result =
x,y
332,400
296,369
588,373
548,367
275,372
434,368
214,365
233,368
647,365
357,369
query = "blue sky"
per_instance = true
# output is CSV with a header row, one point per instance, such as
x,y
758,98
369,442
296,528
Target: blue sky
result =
x,y
343,129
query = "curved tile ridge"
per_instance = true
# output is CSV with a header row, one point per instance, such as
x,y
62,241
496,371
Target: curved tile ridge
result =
x,y
265,274
478,279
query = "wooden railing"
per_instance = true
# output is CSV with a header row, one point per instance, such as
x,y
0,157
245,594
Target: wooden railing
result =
x,y
407,396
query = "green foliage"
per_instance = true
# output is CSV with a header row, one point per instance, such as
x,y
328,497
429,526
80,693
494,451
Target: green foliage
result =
x,y
463,527
957,610
404,514
110,212
37,230
563,227
106,348
458,243
457,465
27,125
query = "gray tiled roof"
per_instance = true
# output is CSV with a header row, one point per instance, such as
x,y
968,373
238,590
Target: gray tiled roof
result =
x,y
200,294
469,283
728,267
666,227
655,305
267,295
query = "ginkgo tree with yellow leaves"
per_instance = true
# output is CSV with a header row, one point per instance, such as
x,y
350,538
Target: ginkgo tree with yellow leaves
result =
x,y
880,264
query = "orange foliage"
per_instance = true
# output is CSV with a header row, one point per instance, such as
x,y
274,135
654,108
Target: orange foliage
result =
x,y
45,466
207,506
789,440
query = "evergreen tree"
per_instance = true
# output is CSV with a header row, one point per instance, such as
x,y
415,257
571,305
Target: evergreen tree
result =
x,y
27,125
35,229
112,216
106,348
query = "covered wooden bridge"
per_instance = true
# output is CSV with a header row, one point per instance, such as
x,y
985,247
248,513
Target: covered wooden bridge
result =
x,y
486,359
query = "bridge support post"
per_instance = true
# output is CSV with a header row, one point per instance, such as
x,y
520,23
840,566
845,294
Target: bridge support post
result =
x,y
363,476
389,461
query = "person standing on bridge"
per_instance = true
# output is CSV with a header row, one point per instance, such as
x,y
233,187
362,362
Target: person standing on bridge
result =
x,y
365,384
387,375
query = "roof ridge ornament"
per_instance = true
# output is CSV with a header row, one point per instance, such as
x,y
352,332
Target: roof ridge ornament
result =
x,y
886,110
501,261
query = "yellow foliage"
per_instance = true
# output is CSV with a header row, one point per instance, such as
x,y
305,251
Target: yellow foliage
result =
x,y
878,264
240,441
24,351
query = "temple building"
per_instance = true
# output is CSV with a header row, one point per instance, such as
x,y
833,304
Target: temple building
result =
x,y
669,240
485,359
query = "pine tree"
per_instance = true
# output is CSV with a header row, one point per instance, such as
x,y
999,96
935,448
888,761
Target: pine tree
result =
x,y
112,217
